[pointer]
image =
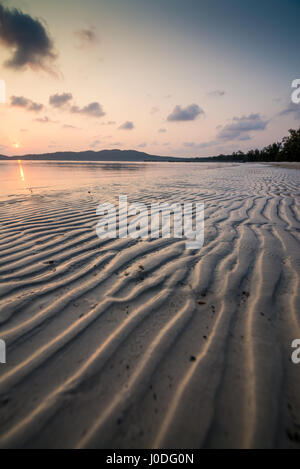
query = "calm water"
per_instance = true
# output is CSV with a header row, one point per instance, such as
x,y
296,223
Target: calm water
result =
x,y
27,178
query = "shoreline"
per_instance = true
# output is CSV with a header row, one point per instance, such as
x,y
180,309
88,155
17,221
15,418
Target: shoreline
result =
x,y
288,165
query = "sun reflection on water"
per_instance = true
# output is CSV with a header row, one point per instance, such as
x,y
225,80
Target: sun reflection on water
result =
x,y
21,170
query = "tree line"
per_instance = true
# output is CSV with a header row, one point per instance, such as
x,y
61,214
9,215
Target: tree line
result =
x,y
286,150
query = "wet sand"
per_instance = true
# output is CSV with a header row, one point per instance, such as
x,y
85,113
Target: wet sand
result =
x,y
144,344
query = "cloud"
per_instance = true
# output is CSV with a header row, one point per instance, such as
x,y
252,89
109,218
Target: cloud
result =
x,y
292,109
21,101
27,38
59,100
109,123
93,109
36,107
95,144
68,126
203,145
45,120
217,93
128,125
86,36
142,145
198,146
162,131
154,110
188,113
239,130
243,138
240,127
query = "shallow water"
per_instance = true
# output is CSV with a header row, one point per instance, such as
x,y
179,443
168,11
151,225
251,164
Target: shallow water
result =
x,y
31,177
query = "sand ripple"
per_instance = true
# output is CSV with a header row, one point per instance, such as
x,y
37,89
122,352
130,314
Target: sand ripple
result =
x,y
129,344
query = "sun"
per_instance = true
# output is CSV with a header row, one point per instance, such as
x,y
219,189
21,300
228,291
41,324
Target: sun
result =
x,y
16,145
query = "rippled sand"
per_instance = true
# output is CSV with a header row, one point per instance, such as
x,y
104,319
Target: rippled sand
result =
x,y
129,344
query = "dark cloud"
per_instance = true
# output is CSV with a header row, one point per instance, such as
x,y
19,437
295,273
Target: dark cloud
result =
x,y
21,101
92,109
59,100
240,127
217,93
128,125
292,109
28,39
142,145
188,113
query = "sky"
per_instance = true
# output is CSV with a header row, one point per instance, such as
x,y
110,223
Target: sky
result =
x,y
168,77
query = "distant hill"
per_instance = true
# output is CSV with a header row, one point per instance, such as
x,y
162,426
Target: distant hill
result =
x,y
104,155
118,155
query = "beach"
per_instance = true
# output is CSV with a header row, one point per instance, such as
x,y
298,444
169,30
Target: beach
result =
x,y
142,343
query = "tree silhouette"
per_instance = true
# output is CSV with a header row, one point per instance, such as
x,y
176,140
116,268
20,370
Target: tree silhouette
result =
x,y
286,150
